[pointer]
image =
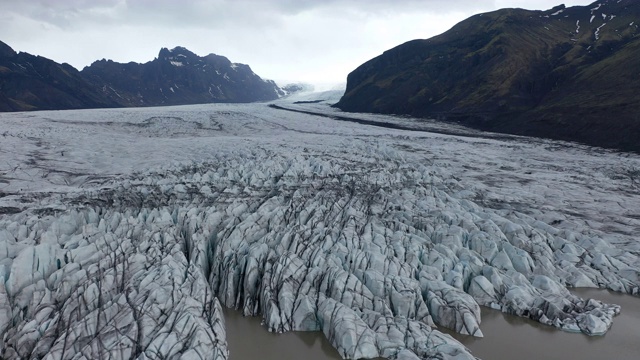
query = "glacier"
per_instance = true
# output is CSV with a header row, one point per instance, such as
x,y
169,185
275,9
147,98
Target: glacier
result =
x,y
124,232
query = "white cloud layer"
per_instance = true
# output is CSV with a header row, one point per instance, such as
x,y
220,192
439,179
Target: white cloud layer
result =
x,y
318,41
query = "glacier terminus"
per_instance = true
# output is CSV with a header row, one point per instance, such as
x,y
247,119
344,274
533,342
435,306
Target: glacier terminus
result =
x,y
124,232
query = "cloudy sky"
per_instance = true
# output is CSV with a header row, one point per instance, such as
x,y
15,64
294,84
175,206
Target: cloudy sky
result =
x,y
315,41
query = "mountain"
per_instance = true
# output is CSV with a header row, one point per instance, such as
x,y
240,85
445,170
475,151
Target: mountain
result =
x,y
296,88
179,76
175,77
565,73
29,82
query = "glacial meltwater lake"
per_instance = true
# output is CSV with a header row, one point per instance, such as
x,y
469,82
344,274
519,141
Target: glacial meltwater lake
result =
x,y
505,337
247,340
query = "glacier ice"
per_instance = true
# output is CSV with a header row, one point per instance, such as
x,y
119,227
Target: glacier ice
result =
x,y
374,245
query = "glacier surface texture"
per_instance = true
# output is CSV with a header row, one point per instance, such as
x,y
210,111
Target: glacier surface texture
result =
x,y
123,233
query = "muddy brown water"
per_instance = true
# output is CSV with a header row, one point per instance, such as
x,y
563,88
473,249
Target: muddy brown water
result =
x,y
249,340
505,337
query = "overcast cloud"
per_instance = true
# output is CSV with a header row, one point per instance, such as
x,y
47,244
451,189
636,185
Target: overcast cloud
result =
x,y
316,41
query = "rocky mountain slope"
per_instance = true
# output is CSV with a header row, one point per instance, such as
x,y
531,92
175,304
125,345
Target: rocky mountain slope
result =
x,y
29,82
565,73
176,77
179,76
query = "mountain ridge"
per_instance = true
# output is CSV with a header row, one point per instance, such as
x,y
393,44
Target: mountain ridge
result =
x,y
559,73
176,77
29,82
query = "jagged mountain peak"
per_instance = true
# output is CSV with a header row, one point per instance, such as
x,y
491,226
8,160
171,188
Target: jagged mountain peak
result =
x,y
180,49
6,50
177,51
180,56
218,60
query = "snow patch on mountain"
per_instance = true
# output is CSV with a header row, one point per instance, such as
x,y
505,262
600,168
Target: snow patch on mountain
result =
x,y
597,32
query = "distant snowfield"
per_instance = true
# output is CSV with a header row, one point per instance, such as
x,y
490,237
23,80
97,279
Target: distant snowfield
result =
x,y
124,231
